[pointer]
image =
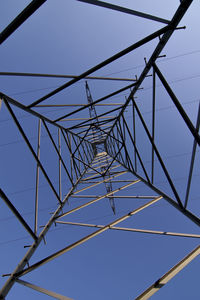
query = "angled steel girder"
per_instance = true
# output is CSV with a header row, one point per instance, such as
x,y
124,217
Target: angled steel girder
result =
x,y
20,19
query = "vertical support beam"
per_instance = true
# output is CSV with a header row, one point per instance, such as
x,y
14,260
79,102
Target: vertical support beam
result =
x,y
192,160
153,124
59,161
134,135
37,179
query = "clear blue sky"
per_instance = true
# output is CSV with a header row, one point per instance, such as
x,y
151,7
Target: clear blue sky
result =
x,y
69,37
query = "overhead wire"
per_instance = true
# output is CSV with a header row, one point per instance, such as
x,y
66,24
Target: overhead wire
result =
x,y
160,61
132,68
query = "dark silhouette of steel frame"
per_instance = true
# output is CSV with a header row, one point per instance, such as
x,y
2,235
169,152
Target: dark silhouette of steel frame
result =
x,y
84,157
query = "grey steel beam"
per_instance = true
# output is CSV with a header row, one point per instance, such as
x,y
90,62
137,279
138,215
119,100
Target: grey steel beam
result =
x,y
74,105
87,119
165,233
59,162
126,10
37,179
86,238
42,290
103,64
17,214
169,275
20,19
153,124
119,197
62,76
134,136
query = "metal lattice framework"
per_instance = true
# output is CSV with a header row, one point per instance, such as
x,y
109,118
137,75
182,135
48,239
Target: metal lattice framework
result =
x,y
100,149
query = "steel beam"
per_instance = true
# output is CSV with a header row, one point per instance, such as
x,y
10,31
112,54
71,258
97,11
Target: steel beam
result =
x,y
159,157
37,179
20,19
103,64
86,238
119,197
185,212
59,163
97,199
183,7
57,151
165,233
178,105
126,10
17,214
99,100
11,280
169,275
62,76
153,124
31,149
192,160
97,183
42,290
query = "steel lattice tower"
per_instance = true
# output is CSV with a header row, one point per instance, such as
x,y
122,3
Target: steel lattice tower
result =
x,y
99,150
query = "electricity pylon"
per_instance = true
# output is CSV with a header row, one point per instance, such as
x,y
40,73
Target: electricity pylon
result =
x,y
95,152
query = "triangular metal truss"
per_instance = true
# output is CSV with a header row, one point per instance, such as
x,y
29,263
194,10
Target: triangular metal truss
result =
x,y
100,150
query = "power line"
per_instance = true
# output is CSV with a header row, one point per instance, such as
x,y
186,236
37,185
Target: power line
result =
x,y
160,61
